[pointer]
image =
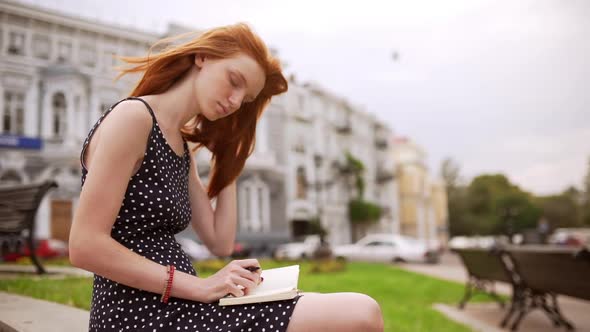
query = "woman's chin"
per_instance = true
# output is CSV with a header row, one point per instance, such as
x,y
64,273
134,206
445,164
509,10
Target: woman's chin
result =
x,y
211,116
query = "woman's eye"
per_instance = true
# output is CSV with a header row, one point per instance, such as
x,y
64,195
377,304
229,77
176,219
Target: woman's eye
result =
x,y
233,81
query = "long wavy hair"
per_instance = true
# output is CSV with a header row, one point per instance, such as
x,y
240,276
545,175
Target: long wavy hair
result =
x,y
231,139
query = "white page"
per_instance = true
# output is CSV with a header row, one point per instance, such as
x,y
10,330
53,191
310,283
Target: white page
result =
x,y
277,280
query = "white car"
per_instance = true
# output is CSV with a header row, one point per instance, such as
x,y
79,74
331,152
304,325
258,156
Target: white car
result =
x,y
194,250
387,248
298,250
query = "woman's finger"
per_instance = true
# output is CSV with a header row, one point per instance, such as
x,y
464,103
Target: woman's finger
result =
x,y
235,290
246,283
253,276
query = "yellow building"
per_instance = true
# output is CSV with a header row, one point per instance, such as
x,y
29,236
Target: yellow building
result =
x,y
422,199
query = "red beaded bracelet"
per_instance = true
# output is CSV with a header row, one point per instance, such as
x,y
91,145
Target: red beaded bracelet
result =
x,y
168,288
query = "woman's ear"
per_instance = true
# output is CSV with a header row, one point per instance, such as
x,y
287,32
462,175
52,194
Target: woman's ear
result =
x,y
199,60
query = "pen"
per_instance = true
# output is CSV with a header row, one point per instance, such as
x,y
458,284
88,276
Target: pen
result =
x,y
252,268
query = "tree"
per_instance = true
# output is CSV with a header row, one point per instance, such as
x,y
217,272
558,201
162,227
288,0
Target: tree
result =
x,y
456,198
361,213
495,206
561,210
449,171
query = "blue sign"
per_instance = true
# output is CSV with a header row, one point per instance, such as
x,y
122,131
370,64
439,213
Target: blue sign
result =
x,y
20,142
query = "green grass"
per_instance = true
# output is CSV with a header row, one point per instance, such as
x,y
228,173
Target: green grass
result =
x,y
405,297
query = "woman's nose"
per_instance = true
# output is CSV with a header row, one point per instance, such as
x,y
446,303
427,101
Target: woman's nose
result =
x,y
236,100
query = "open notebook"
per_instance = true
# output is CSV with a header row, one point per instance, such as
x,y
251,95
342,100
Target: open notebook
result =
x,y
279,284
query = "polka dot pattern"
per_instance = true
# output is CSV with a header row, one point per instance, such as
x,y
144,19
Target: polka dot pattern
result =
x,y
157,206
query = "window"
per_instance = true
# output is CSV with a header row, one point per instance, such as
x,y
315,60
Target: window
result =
x,y
64,52
247,203
59,121
16,43
253,206
88,55
13,113
41,47
301,184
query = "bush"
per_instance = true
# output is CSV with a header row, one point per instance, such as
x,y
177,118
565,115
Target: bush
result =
x,y
361,211
327,266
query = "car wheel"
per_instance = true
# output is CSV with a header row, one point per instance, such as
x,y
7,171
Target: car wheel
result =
x,y
341,258
398,260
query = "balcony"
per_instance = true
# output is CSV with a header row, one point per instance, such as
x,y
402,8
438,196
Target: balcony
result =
x,y
344,128
381,143
384,175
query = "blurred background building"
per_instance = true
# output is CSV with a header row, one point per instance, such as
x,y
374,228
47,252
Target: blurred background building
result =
x,y
423,199
56,79
295,174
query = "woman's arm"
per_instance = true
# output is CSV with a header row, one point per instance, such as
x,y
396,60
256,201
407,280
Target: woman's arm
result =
x,y
120,144
216,228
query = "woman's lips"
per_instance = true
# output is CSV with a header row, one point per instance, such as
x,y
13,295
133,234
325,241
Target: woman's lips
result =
x,y
223,110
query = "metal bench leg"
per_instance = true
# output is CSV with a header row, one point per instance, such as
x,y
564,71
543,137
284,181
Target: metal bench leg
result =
x,y
40,268
516,302
527,304
557,312
468,292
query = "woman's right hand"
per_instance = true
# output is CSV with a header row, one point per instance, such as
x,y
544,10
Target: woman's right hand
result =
x,y
232,279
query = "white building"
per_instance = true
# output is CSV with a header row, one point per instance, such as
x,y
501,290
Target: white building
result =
x,y
315,130
294,175
56,79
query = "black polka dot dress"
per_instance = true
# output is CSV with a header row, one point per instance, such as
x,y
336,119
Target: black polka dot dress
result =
x,y
156,206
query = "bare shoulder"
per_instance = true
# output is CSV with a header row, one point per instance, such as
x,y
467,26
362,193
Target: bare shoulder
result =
x,y
127,126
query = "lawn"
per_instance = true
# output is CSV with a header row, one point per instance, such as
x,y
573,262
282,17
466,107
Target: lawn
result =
x,y
405,297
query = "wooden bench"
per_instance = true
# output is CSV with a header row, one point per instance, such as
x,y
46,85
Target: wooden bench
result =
x,y
485,267
546,272
18,207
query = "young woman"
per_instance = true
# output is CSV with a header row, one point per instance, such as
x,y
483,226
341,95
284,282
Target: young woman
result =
x,y
140,186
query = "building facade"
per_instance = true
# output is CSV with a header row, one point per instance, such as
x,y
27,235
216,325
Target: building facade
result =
x,y
296,169
56,79
423,201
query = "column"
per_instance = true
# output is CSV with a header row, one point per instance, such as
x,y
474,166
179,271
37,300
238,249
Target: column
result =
x,y
69,135
265,208
92,109
254,207
31,113
242,201
47,115
42,218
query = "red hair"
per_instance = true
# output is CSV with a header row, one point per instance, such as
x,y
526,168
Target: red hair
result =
x,y
162,70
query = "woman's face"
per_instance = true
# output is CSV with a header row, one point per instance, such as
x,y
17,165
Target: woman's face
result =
x,y
223,85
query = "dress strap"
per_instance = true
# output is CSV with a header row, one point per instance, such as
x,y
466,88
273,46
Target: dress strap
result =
x,y
87,141
146,105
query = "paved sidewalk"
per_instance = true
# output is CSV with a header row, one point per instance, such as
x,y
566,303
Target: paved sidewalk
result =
x,y
487,316
26,314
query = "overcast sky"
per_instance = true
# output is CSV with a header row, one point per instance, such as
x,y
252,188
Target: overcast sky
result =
x,y
500,86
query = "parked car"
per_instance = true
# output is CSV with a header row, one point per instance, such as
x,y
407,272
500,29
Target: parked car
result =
x,y
387,248
574,237
488,241
298,250
194,250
